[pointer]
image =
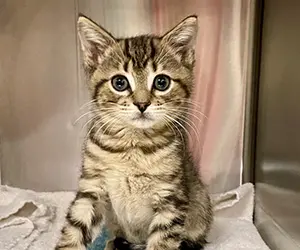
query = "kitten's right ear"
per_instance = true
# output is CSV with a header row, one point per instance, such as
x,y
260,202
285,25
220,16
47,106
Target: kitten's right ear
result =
x,y
94,41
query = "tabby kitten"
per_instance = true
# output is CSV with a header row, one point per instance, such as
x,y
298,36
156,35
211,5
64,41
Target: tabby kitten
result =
x,y
137,176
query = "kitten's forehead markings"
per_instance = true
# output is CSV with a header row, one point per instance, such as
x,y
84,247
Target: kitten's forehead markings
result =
x,y
129,76
151,76
131,81
152,73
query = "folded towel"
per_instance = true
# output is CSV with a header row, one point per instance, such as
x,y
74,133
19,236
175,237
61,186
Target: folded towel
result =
x,y
233,227
30,220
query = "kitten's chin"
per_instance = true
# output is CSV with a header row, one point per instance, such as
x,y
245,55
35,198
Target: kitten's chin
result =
x,y
143,123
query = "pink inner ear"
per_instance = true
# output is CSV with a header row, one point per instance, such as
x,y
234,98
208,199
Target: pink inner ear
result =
x,y
94,40
184,33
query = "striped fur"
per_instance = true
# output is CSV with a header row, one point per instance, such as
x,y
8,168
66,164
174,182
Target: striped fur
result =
x,y
137,176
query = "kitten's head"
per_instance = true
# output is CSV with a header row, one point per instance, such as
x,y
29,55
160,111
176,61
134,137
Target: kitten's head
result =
x,y
144,81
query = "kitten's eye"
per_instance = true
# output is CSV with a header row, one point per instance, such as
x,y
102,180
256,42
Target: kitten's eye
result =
x,y
161,82
120,83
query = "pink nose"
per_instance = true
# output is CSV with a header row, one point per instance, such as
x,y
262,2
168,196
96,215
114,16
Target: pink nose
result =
x,y
142,106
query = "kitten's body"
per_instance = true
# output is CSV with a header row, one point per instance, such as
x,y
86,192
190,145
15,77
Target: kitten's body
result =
x,y
137,175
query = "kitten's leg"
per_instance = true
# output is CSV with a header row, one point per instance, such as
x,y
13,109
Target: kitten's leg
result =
x,y
84,215
122,244
167,227
166,231
191,245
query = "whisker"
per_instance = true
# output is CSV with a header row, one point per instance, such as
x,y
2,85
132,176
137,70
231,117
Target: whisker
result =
x,y
187,132
110,129
180,133
111,123
190,123
80,117
98,116
190,106
88,103
193,110
187,101
194,102
94,125
100,110
103,117
93,102
169,126
89,121
187,113
107,122
186,120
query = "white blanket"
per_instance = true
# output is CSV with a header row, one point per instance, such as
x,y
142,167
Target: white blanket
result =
x,y
30,220
233,227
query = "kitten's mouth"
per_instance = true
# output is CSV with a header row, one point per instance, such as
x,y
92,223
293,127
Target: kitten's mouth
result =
x,y
142,117
143,120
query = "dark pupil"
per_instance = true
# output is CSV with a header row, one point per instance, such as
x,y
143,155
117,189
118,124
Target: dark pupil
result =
x,y
120,83
161,83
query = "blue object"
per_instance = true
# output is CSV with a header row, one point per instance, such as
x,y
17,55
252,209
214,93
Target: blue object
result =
x,y
100,242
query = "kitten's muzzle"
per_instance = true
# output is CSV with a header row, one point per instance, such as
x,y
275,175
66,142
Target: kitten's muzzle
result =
x,y
142,106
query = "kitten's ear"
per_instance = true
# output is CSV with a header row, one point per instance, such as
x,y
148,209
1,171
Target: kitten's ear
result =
x,y
94,41
183,35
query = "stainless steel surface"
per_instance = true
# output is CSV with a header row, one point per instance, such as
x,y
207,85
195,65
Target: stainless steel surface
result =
x,y
278,139
42,86
252,85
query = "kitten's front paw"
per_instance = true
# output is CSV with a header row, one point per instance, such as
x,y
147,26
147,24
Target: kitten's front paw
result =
x,y
67,248
110,245
122,244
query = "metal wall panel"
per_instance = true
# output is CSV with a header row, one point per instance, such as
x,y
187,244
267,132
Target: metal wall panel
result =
x,y
277,172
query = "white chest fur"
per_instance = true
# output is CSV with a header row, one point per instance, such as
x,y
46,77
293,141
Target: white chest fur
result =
x,y
130,196
131,181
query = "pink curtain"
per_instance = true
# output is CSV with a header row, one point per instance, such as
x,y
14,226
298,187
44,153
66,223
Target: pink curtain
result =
x,y
220,83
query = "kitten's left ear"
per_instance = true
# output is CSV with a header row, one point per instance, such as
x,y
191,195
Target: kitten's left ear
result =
x,y
183,35
94,41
